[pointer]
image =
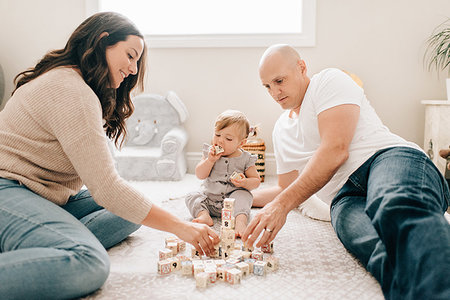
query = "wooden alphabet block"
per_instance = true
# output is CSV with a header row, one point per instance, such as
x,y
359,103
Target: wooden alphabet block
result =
x,y
260,268
228,203
267,248
212,274
221,273
227,214
181,245
244,267
258,255
272,263
198,269
174,264
233,276
164,267
228,223
186,268
165,254
173,246
250,262
201,279
195,253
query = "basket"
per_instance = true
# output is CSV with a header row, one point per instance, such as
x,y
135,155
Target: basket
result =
x,y
257,147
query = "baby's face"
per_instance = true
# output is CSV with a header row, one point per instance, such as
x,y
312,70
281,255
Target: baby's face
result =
x,y
229,139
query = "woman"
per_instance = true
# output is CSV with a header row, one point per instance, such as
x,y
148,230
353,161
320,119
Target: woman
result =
x,y
52,141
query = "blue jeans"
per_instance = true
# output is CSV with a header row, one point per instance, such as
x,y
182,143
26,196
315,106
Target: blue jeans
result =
x,y
389,214
53,252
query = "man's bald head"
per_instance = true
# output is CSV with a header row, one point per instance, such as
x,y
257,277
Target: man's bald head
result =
x,y
281,51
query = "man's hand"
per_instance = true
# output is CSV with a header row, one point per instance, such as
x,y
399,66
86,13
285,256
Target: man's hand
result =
x,y
269,221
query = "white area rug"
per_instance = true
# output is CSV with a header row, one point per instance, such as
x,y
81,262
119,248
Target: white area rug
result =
x,y
313,263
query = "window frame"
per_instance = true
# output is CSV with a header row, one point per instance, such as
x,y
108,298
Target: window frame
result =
x,y
305,39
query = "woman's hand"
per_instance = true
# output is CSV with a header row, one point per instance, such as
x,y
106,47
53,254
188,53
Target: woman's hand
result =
x,y
269,221
201,236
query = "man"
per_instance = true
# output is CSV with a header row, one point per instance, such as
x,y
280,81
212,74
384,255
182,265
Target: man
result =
x,y
387,198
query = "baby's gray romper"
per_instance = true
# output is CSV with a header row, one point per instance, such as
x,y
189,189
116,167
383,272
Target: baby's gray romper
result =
x,y
217,186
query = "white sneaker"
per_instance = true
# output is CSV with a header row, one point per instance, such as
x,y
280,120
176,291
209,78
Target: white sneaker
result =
x,y
315,209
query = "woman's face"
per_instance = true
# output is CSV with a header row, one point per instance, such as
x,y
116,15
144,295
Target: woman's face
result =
x,y
122,59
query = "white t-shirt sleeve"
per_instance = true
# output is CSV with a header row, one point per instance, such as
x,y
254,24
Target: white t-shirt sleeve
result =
x,y
336,88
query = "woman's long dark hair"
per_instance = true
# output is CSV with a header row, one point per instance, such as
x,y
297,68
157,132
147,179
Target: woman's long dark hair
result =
x,y
86,50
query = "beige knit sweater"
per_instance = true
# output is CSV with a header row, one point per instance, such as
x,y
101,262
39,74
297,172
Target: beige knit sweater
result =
x,y
52,141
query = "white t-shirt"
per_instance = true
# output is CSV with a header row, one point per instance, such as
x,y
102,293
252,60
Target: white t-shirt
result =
x,y
296,138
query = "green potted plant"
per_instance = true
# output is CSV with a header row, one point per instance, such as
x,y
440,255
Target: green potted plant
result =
x,y
438,51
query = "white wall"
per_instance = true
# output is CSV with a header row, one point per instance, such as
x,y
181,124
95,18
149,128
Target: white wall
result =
x,y
382,41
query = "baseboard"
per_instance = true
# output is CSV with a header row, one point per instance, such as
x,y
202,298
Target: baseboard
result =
x,y
193,159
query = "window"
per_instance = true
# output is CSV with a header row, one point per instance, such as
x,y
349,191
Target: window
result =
x,y
214,23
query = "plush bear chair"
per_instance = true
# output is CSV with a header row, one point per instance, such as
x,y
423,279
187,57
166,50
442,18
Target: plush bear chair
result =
x,y
154,148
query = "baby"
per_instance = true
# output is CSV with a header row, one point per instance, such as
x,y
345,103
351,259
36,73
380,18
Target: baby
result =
x,y
229,172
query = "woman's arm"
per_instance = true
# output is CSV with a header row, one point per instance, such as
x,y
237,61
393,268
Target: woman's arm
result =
x,y
202,237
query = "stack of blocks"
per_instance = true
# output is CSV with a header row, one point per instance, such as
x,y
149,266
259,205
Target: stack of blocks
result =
x,y
230,262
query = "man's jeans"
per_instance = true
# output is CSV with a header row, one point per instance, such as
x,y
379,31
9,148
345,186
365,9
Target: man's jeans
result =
x,y
48,251
389,214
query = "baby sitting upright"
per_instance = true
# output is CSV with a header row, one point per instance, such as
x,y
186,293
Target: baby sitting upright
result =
x,y
230,173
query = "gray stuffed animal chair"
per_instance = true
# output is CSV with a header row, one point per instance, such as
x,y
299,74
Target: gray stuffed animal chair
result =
x,y
154,148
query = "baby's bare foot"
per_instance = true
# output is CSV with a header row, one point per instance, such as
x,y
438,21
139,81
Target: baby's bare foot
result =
x,y
204,218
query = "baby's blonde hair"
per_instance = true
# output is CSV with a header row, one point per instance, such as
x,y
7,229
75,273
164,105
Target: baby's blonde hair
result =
x,y
232,117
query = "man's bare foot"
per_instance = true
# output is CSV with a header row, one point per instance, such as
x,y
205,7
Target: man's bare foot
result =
x,y
204,218
241,224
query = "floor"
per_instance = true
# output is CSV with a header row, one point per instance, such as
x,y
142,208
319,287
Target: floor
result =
x,y
313,263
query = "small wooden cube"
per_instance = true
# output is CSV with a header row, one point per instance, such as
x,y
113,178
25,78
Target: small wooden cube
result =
x,y
165,254
186,268
272,263
218,149
228,223
227,235
244,267
258,255
250,262
198,269
212,273
237,175
246,254
234,276
260,268
219,262
267,248
171,239
228,203
174,247
227,214
221,273
164,267
201,279
174,264
181,245
195,253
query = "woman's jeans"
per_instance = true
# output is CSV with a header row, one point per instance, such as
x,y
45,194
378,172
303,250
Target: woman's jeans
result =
x,y
48,251
389,214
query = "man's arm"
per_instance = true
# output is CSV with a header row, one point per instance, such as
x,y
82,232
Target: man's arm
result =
x,y
336,127
264,195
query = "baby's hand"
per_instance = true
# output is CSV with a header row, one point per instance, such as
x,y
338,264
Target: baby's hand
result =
x,y
238,179
213,155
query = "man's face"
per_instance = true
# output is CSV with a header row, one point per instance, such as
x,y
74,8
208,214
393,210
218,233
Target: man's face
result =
x,y
285,82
